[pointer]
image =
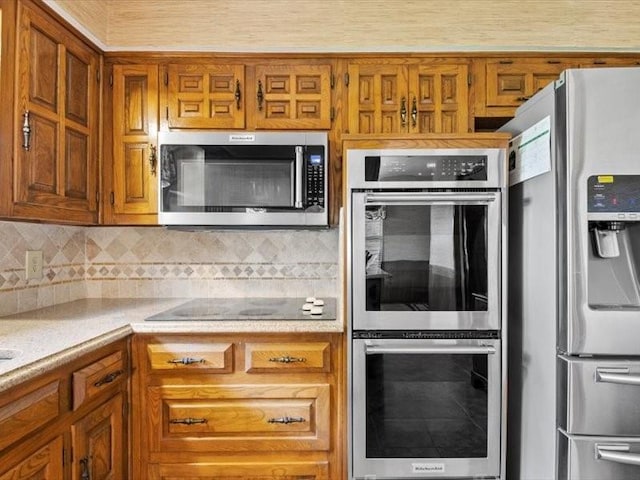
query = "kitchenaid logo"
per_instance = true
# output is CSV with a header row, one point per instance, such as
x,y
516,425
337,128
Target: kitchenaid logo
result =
x,y
428,467
242,137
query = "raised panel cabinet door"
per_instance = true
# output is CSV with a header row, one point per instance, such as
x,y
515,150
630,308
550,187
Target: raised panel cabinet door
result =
x,y
135,132
378,98
283,470
510,83
438,99
293,96
57,122
98,443
206,96
43,464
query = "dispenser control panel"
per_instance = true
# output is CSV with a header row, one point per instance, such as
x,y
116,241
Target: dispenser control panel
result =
x,y
615,194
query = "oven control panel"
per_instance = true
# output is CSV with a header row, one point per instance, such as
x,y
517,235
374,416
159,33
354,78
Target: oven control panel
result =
x,y
425,168
426,334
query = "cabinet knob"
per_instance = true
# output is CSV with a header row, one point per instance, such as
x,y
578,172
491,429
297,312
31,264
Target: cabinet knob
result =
x,y
288,359
186,360
287,420
403,111
110,377
188,421
260,95
238,95
414,112
84,469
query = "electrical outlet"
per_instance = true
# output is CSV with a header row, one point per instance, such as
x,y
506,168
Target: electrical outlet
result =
x,y
33,264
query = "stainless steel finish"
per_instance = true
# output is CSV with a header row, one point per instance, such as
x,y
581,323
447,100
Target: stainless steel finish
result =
x,y
570,310
495,168
429,320
599,457
393,468
372,349
445,198
298,176
617,453
311,217
601,398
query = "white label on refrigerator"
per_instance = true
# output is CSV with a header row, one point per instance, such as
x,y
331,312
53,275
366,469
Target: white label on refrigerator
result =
x,y
427,467
530,152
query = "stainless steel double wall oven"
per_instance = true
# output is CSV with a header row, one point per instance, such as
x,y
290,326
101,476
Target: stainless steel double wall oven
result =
x,y
426,257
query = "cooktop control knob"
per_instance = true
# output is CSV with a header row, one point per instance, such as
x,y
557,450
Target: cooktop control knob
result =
x,y
318,302
316,310
307,306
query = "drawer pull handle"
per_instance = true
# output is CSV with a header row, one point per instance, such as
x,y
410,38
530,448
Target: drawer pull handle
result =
x,y
523,99
26,131
84,469
288,359
108,378
618,453
186,360
287,420
188,421
620,376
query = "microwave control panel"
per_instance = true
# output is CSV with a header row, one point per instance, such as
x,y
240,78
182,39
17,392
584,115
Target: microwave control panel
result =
x,y
315,172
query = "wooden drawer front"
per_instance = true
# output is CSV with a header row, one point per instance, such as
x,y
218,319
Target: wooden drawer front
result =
x,y
197,356
239,417
29,412
241,471
311,357
104,375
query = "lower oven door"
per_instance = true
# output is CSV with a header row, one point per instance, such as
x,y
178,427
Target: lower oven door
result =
x,y
426,408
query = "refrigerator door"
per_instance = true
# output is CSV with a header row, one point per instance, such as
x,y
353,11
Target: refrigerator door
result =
x,y
602,113
598,458
602,396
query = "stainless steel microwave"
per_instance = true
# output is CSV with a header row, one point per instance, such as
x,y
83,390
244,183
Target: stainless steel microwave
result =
x,y
243,179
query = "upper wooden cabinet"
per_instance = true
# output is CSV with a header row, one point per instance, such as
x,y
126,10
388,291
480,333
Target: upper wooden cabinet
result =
x,y
55,165
293,97
399,98
131,157
205,96
271,95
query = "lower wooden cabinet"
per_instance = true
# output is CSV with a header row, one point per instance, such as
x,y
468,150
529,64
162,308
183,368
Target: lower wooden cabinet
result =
x,y
43,464
266,408
69,423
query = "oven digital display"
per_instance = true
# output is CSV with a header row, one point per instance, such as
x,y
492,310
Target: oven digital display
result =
x,y
425,168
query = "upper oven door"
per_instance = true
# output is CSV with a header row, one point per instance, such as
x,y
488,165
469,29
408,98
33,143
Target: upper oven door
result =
x,y
426,260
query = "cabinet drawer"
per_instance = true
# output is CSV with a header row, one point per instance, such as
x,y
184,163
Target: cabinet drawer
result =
x,y
103,375
29,412
196,356
239,417
311,357
242,471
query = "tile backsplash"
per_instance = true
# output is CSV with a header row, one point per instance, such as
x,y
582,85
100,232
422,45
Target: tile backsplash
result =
x,y
84,262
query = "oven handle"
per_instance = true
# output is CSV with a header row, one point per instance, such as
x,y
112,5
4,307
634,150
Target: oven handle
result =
x,y
374,198
299,174
618,453
370,349
617,375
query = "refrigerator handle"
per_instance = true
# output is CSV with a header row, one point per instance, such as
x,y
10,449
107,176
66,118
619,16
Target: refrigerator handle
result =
x,y
616,375
618,453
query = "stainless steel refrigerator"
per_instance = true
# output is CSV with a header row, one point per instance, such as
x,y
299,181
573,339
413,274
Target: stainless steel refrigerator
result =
x,y
574,287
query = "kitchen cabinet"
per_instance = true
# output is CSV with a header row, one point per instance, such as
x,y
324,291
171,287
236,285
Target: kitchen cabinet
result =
x,y
506,83
69,422
268,406
55,143
272,95
429,96
131,156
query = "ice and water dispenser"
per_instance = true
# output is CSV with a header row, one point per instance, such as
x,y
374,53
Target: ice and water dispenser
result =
x,y
614,227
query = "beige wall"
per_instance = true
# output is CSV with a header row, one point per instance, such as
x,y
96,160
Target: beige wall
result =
x,y
359,25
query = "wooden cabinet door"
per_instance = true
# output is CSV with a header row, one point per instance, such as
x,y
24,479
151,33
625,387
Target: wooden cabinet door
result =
x,y
205,96
57,89
509,83
98,443
293,96
377,98
134,175
44,464
438,99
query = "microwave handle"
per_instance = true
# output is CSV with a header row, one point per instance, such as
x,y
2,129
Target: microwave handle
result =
x,y
299,174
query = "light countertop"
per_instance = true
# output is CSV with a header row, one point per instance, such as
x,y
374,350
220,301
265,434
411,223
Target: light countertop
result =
x,y
51,336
